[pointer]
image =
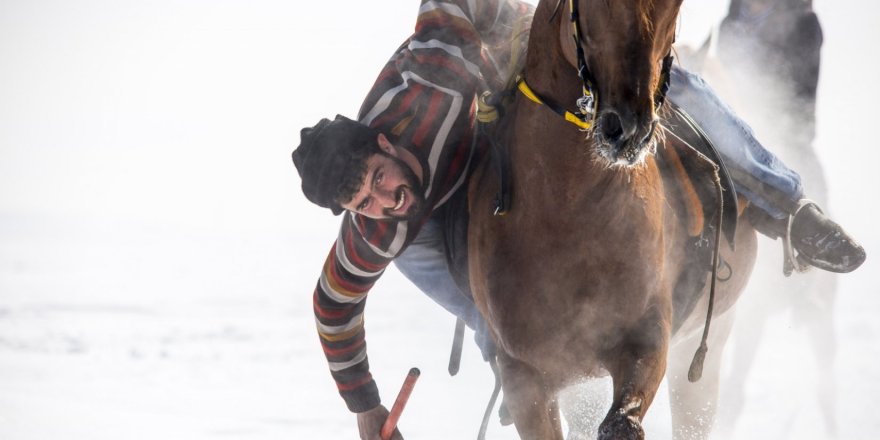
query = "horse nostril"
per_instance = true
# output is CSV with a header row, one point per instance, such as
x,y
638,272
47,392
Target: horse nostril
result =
x,y
611,127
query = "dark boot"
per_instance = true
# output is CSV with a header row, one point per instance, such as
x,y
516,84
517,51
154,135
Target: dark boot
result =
x,y
822,243
819,241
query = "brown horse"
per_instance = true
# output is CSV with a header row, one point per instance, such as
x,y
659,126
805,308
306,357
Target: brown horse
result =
x,y
577,279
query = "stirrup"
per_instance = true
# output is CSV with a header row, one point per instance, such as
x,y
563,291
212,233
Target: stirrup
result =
x,y
792,262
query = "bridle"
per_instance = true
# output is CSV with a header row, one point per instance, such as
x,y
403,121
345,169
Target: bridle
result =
x,y
587,105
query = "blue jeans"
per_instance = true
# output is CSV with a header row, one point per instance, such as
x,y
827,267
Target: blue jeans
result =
x,y
758,175
424,263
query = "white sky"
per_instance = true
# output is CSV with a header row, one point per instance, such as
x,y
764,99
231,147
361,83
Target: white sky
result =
x,y
178,117
187,111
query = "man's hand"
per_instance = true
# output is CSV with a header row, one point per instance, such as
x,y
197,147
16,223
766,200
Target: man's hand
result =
x,y
370,424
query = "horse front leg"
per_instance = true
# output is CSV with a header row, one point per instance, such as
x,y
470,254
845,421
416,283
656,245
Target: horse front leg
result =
x,y
636,366
532,405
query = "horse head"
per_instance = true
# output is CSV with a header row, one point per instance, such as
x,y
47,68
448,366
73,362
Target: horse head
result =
x,y
626,46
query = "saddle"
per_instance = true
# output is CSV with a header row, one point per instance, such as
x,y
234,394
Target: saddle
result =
x,y
692,171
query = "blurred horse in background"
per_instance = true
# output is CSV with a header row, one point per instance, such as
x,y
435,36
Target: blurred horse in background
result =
x,y
581,277
765,62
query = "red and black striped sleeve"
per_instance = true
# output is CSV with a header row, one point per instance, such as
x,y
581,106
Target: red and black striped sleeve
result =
x,y
423,98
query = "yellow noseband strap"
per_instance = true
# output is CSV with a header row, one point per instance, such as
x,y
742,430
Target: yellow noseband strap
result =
x,y
582,122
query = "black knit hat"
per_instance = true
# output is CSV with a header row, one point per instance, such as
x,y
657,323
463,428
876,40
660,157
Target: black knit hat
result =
x,y
322,157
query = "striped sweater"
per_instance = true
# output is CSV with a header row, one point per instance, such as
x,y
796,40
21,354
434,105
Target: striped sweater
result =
x,y
423,100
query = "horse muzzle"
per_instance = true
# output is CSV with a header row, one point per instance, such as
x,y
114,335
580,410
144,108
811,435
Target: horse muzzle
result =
x,y
623,139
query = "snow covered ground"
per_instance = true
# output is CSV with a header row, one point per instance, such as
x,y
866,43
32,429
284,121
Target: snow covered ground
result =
x,y
157,259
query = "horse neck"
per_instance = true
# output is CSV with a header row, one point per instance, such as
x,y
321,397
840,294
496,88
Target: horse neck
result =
x,y
546,69
555,80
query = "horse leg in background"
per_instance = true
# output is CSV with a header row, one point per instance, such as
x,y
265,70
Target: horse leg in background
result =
x,y
694,405
636,368
583,405
816,312
749,334
530,402
810,298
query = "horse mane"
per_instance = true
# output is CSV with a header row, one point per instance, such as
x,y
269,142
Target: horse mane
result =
x,y
555,11
647,23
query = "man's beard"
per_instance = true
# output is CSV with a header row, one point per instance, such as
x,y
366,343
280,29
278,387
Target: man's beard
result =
x,y
415,193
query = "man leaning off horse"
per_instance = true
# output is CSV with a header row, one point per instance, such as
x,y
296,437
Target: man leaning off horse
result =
x,y
412,148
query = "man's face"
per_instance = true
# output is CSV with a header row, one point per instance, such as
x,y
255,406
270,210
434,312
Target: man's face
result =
x,y
390,190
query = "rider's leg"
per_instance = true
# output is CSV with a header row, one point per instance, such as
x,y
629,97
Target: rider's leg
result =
x,y
764,180
758,174
424,263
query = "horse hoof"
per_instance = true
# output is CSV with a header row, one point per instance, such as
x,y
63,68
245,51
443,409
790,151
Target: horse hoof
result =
x,y
621,427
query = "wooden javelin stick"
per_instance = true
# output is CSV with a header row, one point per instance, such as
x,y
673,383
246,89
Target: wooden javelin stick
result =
x,y
394,415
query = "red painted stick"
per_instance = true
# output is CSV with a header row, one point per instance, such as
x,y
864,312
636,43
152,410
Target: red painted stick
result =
x,y
394,415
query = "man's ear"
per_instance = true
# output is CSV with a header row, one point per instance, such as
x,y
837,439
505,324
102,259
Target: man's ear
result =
x,y
386,145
